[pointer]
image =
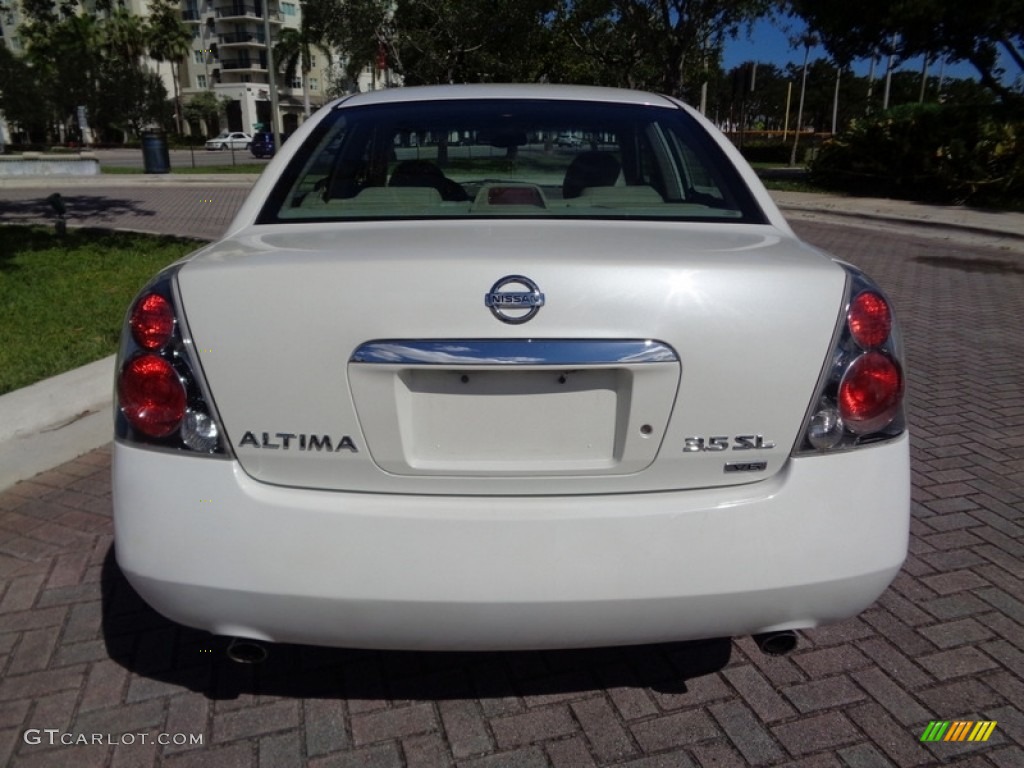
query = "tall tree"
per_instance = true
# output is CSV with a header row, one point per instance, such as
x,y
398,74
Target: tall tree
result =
x,y
88,55
294,50
452,41
129,99
123,36
169,40
975,32
658,44
64,49
598,46
20,91
362,29
663,44
204,110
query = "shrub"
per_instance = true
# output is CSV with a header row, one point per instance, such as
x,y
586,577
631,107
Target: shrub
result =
x,y
766,152
931,152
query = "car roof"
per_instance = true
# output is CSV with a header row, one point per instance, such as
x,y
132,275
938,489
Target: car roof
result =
x,y
506,91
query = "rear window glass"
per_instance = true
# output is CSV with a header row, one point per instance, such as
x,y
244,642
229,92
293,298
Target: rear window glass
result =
x,y
510,158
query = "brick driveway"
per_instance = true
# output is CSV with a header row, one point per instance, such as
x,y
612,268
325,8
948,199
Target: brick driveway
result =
x,y
80,653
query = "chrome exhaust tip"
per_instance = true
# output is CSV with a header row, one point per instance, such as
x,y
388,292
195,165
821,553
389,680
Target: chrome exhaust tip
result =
x,y
243,651
776,643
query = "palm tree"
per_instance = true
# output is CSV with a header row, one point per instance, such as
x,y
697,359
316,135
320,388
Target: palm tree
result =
x,y
123,36
169,40
294,49
65,52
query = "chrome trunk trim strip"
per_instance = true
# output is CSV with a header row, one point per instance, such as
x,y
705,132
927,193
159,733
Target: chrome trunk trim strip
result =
x,y
556,352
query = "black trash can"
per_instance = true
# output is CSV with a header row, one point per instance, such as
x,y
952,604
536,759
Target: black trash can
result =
x,y
155,157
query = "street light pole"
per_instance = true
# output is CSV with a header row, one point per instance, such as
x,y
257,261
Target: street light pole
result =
x,y
835,100
704,88
800,108
789,98
271,76
888,73
871,81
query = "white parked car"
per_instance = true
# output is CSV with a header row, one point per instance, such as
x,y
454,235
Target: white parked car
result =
x,y
487,394
229,140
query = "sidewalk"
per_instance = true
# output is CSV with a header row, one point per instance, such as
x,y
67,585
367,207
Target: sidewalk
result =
x,y
118,180
970,226
58,419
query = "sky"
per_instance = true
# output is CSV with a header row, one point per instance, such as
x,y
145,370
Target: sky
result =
x,y
769,42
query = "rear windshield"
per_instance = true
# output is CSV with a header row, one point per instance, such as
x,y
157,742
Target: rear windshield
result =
x,y
510,158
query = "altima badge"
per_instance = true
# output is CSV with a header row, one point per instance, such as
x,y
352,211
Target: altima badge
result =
x,y
305,442
523,304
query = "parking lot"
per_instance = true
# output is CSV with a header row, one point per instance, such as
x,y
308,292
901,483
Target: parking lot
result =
x,y
92,676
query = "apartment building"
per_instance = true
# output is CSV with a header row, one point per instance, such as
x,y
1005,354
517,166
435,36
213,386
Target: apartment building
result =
x,y
10,18
229,57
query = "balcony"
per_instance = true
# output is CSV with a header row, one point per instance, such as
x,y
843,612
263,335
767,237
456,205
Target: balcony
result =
x,y
250,38
244,64
239,11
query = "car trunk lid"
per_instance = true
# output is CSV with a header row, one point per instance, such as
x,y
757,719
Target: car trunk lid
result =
x,y
364,358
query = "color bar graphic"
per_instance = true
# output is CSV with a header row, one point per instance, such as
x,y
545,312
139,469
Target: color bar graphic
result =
x,y
982,731
935,731
958,730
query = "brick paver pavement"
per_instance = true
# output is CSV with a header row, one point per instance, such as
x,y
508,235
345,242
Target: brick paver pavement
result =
x,y
189,209
81,655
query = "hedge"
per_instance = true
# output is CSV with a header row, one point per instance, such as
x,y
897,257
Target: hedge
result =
x,y
930,152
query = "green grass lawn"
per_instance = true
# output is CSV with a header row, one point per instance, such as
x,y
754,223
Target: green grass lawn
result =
x,y
796,185
63,299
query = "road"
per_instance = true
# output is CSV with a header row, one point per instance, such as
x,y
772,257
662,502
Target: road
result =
x,y
82,655
179,158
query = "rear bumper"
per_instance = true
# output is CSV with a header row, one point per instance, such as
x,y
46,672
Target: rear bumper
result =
x,y
209,547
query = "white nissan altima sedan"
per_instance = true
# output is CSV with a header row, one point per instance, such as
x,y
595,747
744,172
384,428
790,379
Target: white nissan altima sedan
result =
x,y
448,382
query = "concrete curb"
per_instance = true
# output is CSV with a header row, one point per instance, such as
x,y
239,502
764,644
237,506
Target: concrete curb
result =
x,y
1004,230
56,420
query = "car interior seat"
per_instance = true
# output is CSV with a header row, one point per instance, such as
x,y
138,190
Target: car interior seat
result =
x,y
423,173
590,169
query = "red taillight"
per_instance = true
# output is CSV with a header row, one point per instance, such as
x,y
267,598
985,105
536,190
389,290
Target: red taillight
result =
x,y
870,320
870,393
152,321
151,395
